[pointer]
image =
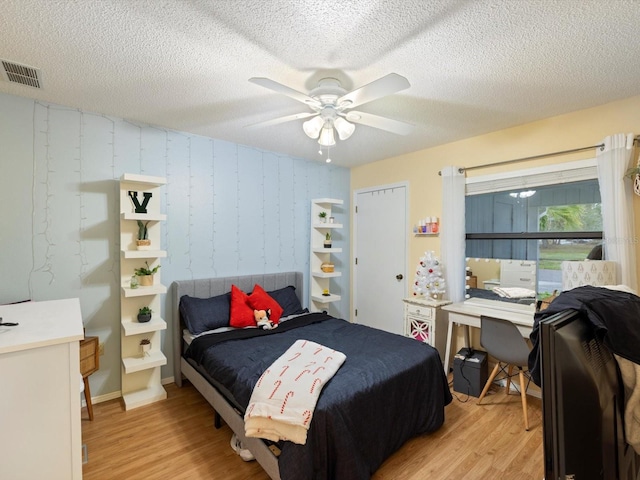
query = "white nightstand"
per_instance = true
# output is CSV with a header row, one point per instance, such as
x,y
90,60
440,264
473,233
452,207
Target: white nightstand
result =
x,y
425,321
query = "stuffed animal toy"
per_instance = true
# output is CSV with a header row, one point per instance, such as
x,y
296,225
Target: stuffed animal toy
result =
x,y
263,320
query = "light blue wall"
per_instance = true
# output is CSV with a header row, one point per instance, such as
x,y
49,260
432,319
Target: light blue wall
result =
x,y
231,210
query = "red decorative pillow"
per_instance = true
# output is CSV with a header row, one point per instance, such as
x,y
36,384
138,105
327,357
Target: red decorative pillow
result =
x,y
241,311
261,300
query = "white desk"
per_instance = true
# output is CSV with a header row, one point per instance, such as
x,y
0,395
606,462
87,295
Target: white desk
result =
x,y
468,313
40,430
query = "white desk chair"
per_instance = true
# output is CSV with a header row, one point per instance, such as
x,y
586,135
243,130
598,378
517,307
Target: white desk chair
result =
x,y
503,341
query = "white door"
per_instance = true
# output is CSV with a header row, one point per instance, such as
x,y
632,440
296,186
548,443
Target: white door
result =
x,y
380,256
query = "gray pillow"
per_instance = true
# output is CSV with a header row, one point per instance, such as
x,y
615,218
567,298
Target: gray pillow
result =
x,y
288,300
203,314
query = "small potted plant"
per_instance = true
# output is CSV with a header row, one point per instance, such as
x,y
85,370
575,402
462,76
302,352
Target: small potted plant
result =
x,y
145,346
146,274
143,242
327,240
144,314
323,217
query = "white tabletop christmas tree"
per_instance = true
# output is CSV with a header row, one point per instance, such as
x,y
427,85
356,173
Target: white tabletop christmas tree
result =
x,y
429,280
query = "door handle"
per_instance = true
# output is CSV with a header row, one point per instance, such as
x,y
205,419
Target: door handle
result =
x,y
399,276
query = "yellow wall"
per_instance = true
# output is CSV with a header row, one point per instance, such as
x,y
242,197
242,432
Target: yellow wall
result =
x,y
564,132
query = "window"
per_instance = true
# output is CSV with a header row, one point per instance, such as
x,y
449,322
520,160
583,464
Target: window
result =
x,y
539,218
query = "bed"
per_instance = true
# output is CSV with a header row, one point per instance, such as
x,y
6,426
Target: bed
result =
x,y
389,389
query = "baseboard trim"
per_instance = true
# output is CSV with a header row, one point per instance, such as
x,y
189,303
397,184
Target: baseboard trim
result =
x,y
530,391
118,394
104,398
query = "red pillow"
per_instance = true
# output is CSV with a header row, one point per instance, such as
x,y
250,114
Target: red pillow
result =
x,y
261,300
241,311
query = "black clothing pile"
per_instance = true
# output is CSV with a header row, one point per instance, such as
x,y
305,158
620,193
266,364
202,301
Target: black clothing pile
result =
x,y
614,315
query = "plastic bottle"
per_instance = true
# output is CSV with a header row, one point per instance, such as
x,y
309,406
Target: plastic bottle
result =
x,y
435,227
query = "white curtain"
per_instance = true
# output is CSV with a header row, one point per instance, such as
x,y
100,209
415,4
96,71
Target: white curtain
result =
x,y
617,206
452,232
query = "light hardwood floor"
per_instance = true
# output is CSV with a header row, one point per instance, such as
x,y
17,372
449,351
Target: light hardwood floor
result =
x,y
175,439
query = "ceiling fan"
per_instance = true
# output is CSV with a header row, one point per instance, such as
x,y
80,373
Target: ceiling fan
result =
x,y
332,105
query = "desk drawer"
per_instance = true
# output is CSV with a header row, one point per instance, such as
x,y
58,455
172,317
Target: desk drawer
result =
x,y
428,313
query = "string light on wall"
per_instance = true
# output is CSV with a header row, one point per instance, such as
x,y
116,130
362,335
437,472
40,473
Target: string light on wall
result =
x,y
114,256
189,210
167,189
294,209
44,225
213,207
278,216
265,220
237,201
81,245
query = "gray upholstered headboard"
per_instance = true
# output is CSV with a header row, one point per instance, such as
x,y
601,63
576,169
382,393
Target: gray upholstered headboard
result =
x,y
210,287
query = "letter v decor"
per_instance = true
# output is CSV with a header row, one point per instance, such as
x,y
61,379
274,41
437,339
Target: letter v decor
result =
x,y
140,208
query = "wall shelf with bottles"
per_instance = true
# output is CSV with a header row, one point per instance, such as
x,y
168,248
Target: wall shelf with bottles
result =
x,y
427,227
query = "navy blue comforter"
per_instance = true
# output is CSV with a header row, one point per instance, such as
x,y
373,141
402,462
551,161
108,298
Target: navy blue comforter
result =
x,y
389,389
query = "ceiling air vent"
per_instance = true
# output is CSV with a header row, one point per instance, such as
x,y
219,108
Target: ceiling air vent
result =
x,y
16,73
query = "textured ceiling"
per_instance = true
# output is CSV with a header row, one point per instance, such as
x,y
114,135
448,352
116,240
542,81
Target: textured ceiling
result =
x,y
474,66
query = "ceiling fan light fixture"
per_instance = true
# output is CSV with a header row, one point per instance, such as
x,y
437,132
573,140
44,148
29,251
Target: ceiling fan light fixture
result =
x,y
344,128
329,103
312,127
327,139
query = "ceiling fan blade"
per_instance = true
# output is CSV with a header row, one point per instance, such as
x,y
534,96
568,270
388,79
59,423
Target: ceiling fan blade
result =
x,y
287,118
382,87
383,123
284,90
